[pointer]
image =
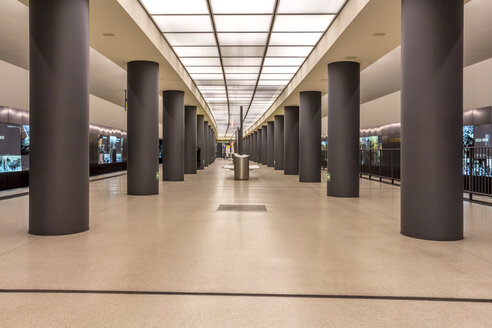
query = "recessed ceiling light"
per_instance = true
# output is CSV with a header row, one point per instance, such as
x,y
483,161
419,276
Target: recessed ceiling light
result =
x,y
109,34
379,34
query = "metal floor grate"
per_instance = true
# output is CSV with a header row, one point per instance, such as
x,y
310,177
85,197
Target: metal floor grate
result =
x,y
242,208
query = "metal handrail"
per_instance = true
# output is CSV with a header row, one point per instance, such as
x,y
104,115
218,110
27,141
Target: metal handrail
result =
x,y
477,167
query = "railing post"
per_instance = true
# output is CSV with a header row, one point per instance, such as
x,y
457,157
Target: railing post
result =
x,y
470,168
489,170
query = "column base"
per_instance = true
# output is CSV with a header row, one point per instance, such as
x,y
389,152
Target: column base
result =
x,y
424,237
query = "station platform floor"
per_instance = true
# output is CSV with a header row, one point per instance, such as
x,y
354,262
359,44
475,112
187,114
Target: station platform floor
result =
x,y
173,260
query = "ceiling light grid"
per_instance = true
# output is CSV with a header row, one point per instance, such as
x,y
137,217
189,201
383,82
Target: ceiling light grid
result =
x,y
242,53
296,29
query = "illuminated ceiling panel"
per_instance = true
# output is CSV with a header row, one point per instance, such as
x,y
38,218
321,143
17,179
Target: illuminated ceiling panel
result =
x,y
302,23
204,69
242,69
241,76
242,53
242,61
294,39
243,7
243,23
310,6
196,51
173,23
289,51
281,61
271,76
205,61
242,39
280,69
156,7
207,76
190,39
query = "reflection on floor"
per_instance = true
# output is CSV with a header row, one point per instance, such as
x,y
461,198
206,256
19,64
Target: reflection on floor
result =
x,y
305,243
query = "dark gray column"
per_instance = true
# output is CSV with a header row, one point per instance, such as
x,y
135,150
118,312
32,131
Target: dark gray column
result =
x,y
291,140
190,140
310,136
200,140
259,146
432,119
211,145
215,145
209,136
253,145
270,144
279,142
206,144
343,129
240,141
214,148
143,128
173,135
59,117
250,148
264,145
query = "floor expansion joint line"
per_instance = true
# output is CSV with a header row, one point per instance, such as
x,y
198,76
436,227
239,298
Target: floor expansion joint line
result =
x,y
259,295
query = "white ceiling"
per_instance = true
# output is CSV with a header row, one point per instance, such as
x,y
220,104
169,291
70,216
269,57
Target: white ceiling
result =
x,y
384,76
380,76
106,79
242,53
379,56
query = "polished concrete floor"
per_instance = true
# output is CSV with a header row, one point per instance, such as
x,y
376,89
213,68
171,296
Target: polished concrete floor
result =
x,y
314,248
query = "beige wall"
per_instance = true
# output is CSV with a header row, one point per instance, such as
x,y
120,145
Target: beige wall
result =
x,y
477,93
478,85
14,86
381,111
105,113
14,93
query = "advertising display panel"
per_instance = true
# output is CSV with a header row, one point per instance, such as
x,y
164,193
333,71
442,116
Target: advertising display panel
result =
x,y
10,148
482,135
468,139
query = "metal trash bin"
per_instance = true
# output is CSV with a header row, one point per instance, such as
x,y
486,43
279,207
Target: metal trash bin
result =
x,y
241,167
